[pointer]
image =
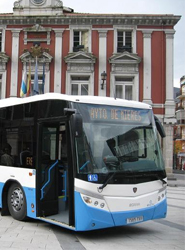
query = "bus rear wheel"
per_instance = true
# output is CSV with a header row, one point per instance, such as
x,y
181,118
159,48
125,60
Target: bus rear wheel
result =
x,y
17,202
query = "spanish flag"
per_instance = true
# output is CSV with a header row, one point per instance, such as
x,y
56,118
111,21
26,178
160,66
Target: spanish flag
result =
x,y
23,89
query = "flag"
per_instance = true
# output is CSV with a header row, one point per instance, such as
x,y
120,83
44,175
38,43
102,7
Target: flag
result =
x,y
23,89
43,78
36,84
29,81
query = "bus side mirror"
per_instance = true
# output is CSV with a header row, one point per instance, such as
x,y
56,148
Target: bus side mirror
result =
x,y
76,122
159,127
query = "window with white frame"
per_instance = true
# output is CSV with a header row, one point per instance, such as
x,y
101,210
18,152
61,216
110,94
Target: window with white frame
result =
x,y
80,40
1,42
40,84
80,85
124,88
124,41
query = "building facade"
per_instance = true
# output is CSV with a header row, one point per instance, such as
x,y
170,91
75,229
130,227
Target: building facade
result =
x,y
179,144
134,52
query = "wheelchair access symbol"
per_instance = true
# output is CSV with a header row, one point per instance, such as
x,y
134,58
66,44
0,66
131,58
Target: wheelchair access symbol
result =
x,y
92,177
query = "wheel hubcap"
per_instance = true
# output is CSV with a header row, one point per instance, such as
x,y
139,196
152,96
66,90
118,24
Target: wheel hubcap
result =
x,y
17,199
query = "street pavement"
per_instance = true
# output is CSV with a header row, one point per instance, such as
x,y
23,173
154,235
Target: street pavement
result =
x,y
165,234
176,180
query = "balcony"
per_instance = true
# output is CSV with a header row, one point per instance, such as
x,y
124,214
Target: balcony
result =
x,y
180,115
80,48
122,49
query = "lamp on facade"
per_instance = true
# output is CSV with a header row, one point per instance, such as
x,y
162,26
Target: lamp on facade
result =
x,y
103,78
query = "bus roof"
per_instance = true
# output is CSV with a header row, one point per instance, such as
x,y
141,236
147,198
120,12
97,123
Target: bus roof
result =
x,y
12,101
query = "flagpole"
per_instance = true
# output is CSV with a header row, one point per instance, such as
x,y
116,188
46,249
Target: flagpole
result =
x,y
36,85
43,78
29,80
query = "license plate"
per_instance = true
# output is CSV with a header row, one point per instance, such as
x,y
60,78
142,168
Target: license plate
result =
x,y
134,219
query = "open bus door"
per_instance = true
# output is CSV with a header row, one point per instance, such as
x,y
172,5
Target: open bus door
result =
x,y
55,193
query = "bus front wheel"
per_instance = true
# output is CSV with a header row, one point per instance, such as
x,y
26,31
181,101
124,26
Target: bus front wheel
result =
x,y
17,202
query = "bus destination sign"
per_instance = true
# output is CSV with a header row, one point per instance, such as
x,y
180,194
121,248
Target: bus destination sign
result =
x,y
118,114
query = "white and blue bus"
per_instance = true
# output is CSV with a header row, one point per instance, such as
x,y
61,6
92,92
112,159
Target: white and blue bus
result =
x,y
81,162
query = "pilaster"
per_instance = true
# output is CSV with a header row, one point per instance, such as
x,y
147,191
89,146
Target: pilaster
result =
x,y
169,103
102,59
58,60
147,65
14,65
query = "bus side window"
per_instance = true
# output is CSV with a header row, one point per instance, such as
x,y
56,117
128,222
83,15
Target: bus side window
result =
x,y
6,145
26,159
6,157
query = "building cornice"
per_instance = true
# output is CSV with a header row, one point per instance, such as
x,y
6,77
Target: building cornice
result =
x,y
125,58
27,57
92,19
80,57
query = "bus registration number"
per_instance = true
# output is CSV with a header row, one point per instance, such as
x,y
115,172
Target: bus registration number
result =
x,y
134,219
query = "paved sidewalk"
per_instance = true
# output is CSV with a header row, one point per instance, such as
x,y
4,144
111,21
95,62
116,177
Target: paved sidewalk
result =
x,y
176,180
31,235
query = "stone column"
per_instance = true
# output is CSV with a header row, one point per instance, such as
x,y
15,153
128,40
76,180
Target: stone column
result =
x,y
58,60
14,65
102,59
168,148
169,118
147,65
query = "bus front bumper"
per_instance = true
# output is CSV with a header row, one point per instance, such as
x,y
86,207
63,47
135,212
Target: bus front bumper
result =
x,y
92,218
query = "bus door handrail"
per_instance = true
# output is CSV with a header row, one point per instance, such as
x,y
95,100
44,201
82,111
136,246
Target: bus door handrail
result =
x,y
65,185
49,179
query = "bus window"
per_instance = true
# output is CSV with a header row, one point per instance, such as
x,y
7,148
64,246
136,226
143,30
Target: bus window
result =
x,y
6,157
29,110
51,108
18,112
18,132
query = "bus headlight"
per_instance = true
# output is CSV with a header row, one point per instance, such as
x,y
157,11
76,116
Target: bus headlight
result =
x,y
94,202
87,199
161,195
102,205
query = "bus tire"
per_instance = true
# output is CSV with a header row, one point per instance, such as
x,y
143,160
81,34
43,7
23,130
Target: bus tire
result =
x,y
17,202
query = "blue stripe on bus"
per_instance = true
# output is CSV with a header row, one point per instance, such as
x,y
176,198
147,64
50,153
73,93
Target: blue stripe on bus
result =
x,y
31,200
1,189
89,218
160,210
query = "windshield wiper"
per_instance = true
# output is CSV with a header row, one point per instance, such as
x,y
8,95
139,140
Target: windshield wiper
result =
x,y
100,189
163,181
158,177
130,173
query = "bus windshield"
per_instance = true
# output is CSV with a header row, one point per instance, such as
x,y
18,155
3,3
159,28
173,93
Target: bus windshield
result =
x,y
117,139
